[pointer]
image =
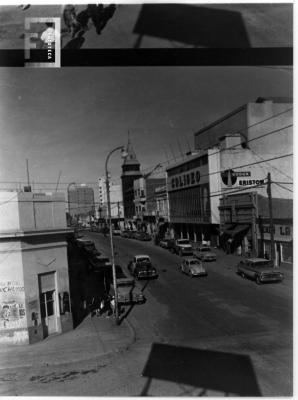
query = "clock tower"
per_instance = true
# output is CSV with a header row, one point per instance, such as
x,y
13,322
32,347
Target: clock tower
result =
x,y
130,172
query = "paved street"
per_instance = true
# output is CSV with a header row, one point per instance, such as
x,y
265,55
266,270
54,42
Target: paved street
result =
x,y
222,321
222,312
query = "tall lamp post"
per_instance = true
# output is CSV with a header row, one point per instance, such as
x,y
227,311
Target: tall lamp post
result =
x,y
68,202
123,154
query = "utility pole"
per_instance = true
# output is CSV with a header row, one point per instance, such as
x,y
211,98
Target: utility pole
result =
x,y
271,218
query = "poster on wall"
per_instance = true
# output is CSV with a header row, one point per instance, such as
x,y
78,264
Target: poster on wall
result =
x,y
12,305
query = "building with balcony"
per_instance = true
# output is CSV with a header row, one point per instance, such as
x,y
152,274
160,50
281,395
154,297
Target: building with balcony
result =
x,y
34,281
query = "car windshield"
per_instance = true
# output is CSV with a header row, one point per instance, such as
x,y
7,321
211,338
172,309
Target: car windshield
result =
x,y
262,264
193,262
205,249
183,241
144,266
143,260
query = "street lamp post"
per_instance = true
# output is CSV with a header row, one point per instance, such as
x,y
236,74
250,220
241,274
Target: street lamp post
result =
x,y
111,230
68,202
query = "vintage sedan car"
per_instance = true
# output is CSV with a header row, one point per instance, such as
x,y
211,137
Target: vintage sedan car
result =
x,y
141,267
193,267
125,233
128,292
259,269
98,262
204,253
142,236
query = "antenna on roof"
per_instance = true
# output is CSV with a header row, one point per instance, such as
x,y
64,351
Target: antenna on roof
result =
x,y
60,172
28,187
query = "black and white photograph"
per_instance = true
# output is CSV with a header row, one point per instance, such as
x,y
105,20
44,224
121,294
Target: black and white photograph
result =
x,y
146,200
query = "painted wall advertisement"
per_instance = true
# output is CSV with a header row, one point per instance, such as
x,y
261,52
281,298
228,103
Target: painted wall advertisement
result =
x,y
232,178
12,305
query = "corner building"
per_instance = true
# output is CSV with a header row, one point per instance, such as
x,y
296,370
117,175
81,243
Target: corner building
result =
x,y
34,282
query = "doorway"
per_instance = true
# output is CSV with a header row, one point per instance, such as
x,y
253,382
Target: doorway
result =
x,y
48,303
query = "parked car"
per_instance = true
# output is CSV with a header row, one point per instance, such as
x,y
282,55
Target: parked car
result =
x,y
193,267
259,269
182,247
128,293
142,236
87,246
116,232
98,262
204,253
141,267
164,243
83,242
125,233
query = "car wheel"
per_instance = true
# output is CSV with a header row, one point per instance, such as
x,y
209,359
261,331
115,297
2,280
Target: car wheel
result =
x,y
242,274
258,280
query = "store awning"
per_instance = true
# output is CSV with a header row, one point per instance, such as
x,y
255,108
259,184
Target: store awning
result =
x,y
237,230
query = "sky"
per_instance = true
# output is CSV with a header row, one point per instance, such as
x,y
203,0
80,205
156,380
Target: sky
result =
x,y
65,121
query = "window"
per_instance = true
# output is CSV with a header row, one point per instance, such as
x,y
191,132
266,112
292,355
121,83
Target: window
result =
x,y
47,304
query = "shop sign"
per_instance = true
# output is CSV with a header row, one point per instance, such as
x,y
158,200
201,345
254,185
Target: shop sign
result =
x,y
231,178
186,179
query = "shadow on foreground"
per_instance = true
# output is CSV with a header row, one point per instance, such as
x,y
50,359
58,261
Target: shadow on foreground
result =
x,y
193,25
227,373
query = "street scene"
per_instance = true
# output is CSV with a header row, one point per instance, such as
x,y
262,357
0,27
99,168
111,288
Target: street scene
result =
x,y
146,213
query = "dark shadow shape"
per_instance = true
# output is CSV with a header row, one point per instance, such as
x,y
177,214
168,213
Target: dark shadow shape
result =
x,y
144,287
205,369
126,314
193,25
75,43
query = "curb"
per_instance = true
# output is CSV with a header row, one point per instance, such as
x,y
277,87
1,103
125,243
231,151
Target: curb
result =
x,y
104,355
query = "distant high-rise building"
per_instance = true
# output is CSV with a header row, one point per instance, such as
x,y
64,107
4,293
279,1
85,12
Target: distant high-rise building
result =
x,y
115,198
130,172
81,201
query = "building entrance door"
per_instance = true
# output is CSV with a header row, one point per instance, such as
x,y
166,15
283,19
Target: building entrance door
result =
x,y
48,304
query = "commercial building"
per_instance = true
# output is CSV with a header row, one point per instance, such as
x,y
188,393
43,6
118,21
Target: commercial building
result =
x,y
144,196
193,212
81,202
234,155
245,226
162,204
130,172
34,282
252,141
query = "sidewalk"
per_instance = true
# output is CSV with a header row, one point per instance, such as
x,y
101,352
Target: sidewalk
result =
x,y
94,337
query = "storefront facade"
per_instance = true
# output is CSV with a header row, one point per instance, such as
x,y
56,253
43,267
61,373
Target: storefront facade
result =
x,y
34,285
193,212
